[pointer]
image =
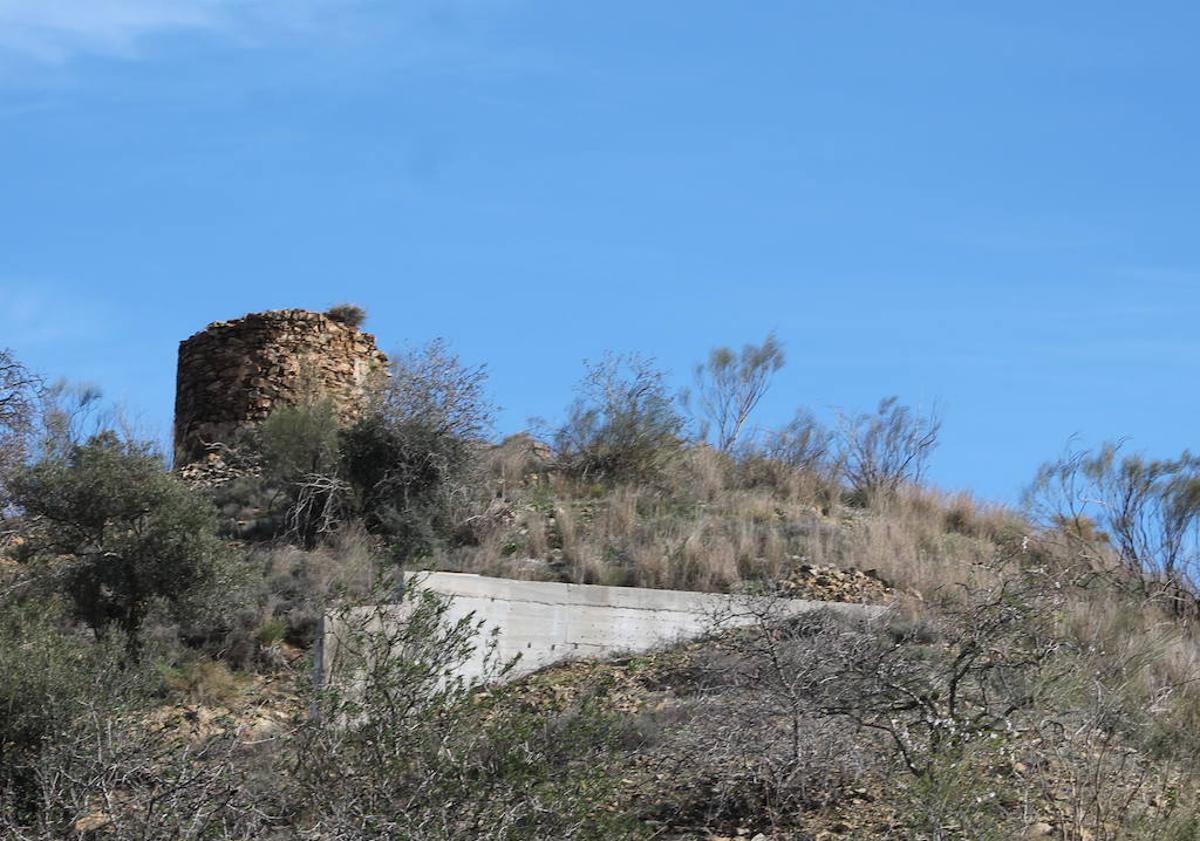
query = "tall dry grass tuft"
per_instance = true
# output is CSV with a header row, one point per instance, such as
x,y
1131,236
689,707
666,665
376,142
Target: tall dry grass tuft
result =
x,y
1156,654
714,522
927,543
701,473
568,533
620,515
537,543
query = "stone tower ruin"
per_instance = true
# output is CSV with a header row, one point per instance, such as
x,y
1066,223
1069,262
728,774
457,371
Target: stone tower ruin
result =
x,y
234,373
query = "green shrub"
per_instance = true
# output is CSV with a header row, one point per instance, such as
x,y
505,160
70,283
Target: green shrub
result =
x,y
49,677
271,631
623,426
397,749
203,681
301,457
120,533
408,459
301,439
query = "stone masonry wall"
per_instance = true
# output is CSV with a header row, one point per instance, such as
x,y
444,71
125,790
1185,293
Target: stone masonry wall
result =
x,y
234,373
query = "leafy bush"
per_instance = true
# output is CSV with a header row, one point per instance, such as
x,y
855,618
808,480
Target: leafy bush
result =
x,y
409,456
623,426
299,445
402,468
399,749
119,532
202,681
49,677
299,440
106,766
299,585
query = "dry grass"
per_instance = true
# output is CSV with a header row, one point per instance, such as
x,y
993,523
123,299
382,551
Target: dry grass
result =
x,y
346,563
909,542
204,682
715,524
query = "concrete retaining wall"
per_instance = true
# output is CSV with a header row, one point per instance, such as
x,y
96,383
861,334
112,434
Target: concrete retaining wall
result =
x,y
548,622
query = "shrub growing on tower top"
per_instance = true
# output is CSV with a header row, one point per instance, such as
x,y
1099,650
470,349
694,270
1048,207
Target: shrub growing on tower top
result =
x,y
350,314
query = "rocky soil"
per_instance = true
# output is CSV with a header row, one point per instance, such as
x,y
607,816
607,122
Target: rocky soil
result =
x,y
831,584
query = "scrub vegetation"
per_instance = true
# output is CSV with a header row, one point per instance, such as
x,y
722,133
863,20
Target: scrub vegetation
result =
x,y
1037,674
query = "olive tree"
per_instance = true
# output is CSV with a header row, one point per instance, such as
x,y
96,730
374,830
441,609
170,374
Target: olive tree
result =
x,y
118,531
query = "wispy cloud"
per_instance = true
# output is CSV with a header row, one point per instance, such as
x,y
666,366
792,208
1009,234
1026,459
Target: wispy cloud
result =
x,y
55,31
41,33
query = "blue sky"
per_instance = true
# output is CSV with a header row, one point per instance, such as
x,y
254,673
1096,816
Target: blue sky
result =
x,y
991,208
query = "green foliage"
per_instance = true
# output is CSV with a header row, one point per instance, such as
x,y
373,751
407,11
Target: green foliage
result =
x,y
299,440
299,446
271,631
49,676
81,748
202,681
402,467
408,458
120,532
623,426
399,749
404,472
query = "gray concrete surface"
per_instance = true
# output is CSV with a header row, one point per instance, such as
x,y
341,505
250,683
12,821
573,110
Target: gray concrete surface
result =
x,y
549,622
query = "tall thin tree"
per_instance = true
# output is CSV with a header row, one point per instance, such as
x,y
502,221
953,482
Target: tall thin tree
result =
x,y
730,384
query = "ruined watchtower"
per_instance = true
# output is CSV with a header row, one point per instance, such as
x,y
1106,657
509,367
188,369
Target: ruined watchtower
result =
x,y
234,373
